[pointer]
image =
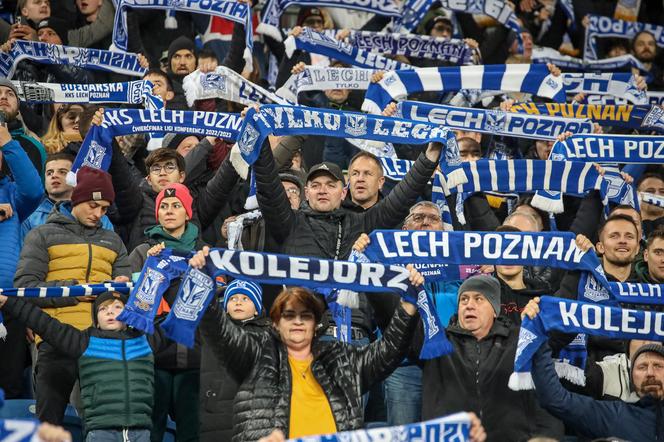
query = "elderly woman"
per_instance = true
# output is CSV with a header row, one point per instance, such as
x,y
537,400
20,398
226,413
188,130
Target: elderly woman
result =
x,y
291,381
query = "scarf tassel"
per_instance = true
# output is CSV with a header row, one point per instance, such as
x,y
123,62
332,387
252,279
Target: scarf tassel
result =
x,y
575,375
436,346
521,381
170,22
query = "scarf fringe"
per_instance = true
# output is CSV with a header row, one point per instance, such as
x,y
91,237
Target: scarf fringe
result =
x,y
348,298
136,321
272,31
575,375
547,204
521,381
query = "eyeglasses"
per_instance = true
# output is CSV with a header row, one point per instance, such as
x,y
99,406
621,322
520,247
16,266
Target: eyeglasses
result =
x,y
303,316
169,168
419,218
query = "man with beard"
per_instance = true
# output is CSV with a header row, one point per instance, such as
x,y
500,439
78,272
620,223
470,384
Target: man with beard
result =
x,y
181,62
644,48
9,110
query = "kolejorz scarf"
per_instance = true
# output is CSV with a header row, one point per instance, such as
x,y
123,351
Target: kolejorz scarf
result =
x,y
397,85
452,428
273,9
557,314
228,9
494,121
291,120
412,45
320,43
96,150
600,26
226,84
640,117
86,58
315,78
133,92
196,290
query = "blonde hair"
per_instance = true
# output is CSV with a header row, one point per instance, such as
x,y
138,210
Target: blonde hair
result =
x,y
55,139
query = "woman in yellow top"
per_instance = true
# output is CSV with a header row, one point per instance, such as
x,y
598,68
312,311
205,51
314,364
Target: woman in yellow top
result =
x,y
291,381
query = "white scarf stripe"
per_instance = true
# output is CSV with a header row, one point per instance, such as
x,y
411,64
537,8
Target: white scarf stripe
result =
x,y
512,175
566,171
476,176
475,79
529,174
494,175
514,76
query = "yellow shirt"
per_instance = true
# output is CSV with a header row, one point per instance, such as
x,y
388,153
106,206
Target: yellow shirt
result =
x,y
310,412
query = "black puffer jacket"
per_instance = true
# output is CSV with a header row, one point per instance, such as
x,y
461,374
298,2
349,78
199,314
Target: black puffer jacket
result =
x,y
307,232
343,371
219,387
474,378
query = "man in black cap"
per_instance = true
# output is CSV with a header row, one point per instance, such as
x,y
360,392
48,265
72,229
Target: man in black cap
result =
x,y
474,376
53,30
181,62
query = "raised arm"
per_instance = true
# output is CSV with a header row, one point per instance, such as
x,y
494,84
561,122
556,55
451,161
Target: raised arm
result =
x,y
28,190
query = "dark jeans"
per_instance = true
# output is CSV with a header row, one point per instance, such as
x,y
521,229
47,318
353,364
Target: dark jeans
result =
x,y
176,394
55,376
403,395
13,354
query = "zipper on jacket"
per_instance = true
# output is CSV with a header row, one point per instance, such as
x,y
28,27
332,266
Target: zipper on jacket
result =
x,y
477,379
89,269
126,380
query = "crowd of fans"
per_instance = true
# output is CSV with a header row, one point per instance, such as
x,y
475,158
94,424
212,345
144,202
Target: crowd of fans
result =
x,y
267,362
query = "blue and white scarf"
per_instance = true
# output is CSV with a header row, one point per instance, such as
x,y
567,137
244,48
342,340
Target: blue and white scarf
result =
x,y
550,55
608,148
96,150
619,84
600,26
548,249
623,115
557,314
197,288
649,198
227,84
397,85
273,9
154,280
412,13
411,45
86,58
19,430
452,428
493,121
653,99
315,78
290,120
498,9
636,293
67,291
395,169
228,9
568,10
133,92
319,43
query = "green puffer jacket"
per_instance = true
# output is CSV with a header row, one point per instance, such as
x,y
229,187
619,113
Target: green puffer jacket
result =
x,y
116,368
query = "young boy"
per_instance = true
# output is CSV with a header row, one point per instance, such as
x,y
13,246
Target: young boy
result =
x,y
116,366
243,300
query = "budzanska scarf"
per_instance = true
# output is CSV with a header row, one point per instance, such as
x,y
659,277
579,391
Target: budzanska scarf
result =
x,y
228,9
197,288
315,78
557,314
452,428
494,121
96,150
133,92
86,58
600,26
624,115
319,43
226,84
397,85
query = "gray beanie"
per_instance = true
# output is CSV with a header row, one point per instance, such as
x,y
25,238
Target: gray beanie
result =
x,y
8,83
486,285
648,348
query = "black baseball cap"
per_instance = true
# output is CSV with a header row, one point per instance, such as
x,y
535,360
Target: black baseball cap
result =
x,y
328,168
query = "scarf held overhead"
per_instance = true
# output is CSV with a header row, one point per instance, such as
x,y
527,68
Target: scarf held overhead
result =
x,y
86,58
96,150
600,26
619,84
133,92
606,148
397,85
315,78
557,314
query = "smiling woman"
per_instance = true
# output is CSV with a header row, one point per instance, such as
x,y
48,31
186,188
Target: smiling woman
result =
x,y
63,128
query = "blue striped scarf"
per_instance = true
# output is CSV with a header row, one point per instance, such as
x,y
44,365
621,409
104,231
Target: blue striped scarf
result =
x,y
412,13
600,26
86,58
228,9
397,85
619,84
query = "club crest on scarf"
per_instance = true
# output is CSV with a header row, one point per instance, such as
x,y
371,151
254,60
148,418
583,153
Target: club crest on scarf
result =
x,y
432,328
526,337
213,80
248,139
654,118
95,155
195,288
147,291
594,291
495,120
82,57
356,125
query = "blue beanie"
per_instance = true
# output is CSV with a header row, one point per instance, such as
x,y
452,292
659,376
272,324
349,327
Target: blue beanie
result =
x,y
247,288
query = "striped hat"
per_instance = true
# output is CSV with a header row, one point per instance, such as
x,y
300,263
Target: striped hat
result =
x,y
247,288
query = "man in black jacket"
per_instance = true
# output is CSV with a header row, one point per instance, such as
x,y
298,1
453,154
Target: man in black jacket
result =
x,y
474,376
322,227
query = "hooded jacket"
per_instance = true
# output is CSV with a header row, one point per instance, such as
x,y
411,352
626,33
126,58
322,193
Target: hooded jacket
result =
x,y
260,362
